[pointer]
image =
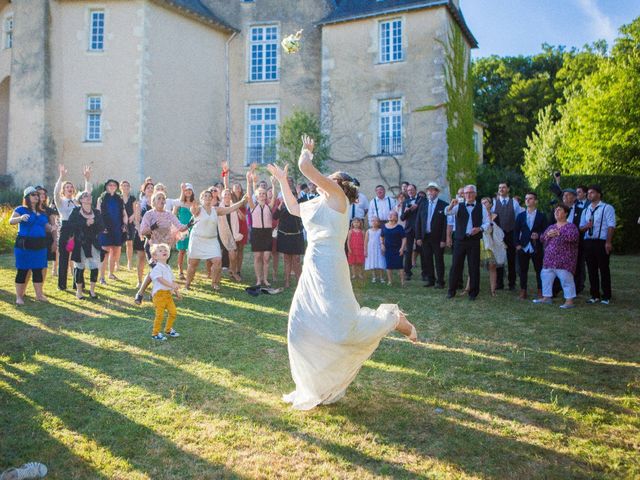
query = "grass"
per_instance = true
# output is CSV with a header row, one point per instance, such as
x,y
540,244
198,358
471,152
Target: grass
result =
x,y
498,389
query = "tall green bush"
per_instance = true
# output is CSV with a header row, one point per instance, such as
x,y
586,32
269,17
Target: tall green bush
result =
x,y
7,232
462,159
291,130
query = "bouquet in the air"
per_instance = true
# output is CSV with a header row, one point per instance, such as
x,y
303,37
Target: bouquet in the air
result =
x,y
291,43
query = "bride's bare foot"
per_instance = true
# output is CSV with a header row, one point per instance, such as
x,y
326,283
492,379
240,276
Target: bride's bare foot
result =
x,y
406,328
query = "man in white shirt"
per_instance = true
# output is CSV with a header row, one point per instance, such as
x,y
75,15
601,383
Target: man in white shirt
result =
x,y
598,222
381,205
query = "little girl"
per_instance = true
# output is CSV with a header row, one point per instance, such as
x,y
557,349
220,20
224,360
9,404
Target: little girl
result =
x,y
374,256
355,249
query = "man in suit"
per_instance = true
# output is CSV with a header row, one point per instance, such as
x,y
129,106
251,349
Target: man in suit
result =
x,y
582,201
529,227
471,219
507,209
431,235
408,215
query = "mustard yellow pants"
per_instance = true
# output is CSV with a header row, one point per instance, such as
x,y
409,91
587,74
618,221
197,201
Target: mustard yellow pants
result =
x,y
163,300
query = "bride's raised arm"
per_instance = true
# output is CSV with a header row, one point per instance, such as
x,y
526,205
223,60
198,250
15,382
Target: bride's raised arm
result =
x,y
335,195
283,178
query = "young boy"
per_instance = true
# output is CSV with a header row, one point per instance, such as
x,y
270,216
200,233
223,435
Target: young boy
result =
x,y
163,286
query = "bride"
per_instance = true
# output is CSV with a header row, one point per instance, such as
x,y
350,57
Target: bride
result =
x,y
329,336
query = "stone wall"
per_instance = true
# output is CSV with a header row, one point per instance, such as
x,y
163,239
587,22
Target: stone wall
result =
x,y
29,137
353,82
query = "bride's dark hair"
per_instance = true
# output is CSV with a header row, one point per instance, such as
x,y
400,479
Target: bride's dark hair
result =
x,y
348,184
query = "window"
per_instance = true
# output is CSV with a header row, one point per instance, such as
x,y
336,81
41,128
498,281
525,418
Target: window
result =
x,y
476,142
8,32
94,118
262,133
264,54
391,41
390,127
96,36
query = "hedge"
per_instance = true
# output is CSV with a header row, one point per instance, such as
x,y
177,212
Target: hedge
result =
x,y
490,176
621,191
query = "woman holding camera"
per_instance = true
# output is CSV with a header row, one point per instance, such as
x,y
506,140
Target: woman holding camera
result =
x,y
31,244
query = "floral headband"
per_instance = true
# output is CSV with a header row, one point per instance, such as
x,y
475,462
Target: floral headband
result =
x,y
348,179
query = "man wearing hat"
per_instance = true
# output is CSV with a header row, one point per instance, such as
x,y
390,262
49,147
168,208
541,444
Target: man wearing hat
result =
x,y
431,234
597,223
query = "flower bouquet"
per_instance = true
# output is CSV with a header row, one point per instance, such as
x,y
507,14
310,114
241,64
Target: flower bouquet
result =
x,y
291,43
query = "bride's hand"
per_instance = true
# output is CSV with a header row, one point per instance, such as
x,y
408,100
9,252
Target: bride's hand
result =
x,y
308,143
279,173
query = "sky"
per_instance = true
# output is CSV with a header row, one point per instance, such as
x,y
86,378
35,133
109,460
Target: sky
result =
x,y
520,27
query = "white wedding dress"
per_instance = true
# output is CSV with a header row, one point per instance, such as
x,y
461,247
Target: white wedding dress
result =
x,y
329,336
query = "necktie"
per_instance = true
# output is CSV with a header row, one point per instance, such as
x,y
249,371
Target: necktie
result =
x,y
504,202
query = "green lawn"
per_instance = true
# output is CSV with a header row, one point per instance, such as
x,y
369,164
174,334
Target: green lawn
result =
x,y
497,388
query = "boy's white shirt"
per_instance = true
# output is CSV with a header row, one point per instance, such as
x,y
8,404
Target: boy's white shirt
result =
x,y
161,270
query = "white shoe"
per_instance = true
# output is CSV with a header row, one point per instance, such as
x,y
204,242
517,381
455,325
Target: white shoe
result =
x,y
373,280
28,470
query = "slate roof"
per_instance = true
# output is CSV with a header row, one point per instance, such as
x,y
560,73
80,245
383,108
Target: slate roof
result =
x,y
197,10
346,10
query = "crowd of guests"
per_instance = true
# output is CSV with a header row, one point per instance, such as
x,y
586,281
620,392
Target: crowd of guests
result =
x,y
387,236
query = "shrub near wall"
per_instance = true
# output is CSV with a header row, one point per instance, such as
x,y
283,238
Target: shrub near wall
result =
x,y
7,232
620,191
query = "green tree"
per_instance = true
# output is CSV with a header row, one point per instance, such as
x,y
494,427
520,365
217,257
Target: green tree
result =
x,y
540,157
597,125
293,127
508,94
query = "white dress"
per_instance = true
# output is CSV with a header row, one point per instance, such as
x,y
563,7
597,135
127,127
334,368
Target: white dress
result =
x,y
329,336
375,258
203,239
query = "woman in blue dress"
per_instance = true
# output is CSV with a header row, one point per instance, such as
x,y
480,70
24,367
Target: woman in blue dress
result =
x,y
115,220
31,244
394,243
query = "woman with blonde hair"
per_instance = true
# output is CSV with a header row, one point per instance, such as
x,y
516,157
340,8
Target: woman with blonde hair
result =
x,y
203,241
64,193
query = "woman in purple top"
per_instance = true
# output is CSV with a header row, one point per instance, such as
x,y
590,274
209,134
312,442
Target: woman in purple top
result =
x,y
560,242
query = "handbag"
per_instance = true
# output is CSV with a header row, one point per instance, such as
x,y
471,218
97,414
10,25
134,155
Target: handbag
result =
x,y
71,243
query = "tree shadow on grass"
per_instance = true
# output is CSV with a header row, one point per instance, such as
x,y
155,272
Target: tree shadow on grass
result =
x,y
124,437
24,439
59,392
